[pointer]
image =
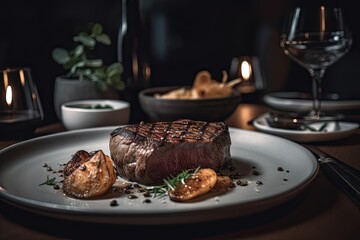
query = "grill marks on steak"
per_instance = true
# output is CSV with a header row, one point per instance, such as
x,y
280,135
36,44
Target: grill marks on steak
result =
x,y
148,153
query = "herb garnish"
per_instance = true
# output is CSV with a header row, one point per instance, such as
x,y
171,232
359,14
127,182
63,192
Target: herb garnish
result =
x,y
49,182
308,127
89,106
171,182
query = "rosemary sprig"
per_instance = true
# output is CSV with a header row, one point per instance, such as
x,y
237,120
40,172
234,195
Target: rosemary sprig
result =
x,y
49,181
308,127
171,182
322,128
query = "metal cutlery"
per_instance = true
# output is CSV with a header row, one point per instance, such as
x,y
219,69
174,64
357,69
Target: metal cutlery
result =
x,y
295,121
346,177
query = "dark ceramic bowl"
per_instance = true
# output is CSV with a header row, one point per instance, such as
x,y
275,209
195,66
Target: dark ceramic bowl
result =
x,y
217,109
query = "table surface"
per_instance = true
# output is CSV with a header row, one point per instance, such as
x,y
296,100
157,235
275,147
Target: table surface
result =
x,y
320,212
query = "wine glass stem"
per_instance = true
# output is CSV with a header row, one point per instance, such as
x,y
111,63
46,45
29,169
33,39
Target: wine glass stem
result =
x,y
317,75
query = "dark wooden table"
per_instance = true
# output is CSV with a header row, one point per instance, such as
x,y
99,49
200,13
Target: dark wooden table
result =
x,y
321,212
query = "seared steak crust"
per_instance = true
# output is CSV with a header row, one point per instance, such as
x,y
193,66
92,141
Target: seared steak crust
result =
x,y
148,153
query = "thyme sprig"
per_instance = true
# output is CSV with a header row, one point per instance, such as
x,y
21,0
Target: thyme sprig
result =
x,y
49,181
171,182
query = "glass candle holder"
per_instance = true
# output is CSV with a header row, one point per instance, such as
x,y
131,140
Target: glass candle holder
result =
x,y
248,69
20,107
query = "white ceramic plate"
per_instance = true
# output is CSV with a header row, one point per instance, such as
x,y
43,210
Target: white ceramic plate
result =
x,y
295,101
333,130
21,172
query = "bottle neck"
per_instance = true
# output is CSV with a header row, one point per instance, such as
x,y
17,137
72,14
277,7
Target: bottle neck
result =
x,y
131,13
130,26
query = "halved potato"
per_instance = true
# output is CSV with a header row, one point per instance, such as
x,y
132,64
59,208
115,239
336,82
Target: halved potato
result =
x,y
91,177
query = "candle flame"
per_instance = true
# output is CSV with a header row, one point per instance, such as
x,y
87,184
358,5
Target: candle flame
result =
x,y
9,95
322,19
135,65
6,80
22,77
322,22
246,70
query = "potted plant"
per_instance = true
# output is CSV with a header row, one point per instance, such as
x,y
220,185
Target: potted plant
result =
x,y
87,77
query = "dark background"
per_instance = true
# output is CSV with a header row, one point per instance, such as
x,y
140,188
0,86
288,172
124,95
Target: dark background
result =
x,y
183,38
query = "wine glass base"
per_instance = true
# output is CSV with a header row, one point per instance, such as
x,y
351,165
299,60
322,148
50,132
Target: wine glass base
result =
x,y
322,117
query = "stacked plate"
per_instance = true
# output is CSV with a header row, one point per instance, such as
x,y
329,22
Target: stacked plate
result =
x,y
302,103
314,132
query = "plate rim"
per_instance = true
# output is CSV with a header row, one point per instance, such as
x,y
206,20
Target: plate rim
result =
x,y
291,104
88,216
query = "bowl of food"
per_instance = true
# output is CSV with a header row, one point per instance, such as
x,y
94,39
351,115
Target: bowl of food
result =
x,y
205,100
94,113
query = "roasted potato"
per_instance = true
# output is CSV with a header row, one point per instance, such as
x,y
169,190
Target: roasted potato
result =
x,y
90,177
199,183
223,183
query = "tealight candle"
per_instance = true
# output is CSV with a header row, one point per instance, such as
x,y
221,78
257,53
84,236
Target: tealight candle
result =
x,y
20,108
247,68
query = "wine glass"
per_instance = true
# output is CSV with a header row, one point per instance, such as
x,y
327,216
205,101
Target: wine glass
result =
x,y
315,38
20,107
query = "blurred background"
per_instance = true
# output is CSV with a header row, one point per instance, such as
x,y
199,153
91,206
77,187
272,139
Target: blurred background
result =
x,y
179,39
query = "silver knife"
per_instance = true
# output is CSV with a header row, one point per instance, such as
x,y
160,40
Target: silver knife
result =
x,y
346,177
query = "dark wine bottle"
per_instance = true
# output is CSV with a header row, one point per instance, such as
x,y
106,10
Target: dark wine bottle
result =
x,y
131,53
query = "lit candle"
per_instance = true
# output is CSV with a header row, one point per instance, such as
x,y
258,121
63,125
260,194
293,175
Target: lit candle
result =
x,y
18,117
9,95
322,22
246,70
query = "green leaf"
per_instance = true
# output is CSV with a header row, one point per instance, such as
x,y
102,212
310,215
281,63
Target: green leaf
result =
x,y
118,85
67,66
49,181
114,73
100,73
71,62
93,77
78,50
97,29
113,79
60,55
308,127
103,38
87,40
94,63
323,127
76,66
87,71
115,68
101,85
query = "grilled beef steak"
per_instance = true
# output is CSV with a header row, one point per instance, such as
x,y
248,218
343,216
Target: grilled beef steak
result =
x,y
148,153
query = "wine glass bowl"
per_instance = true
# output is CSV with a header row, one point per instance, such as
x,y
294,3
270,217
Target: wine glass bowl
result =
x,y
316,38
313,53
20,107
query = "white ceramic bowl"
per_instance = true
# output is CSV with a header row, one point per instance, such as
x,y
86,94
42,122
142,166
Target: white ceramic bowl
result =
x,y
92,113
